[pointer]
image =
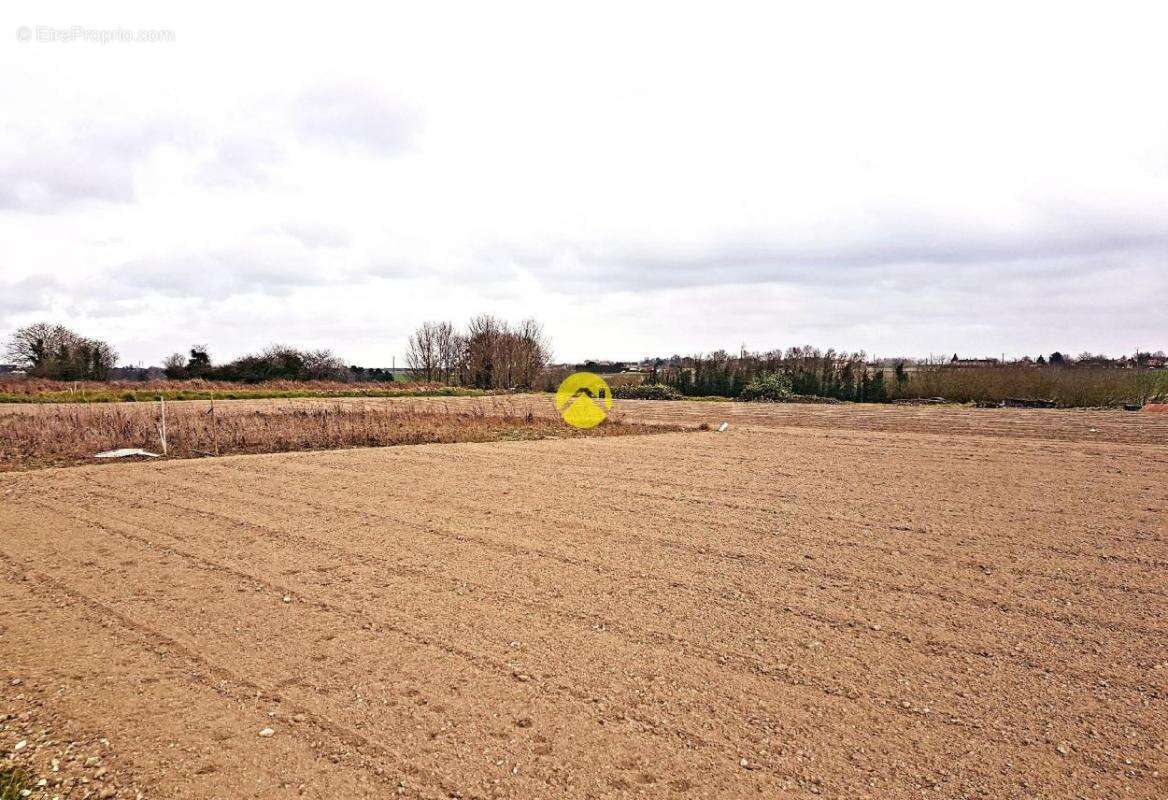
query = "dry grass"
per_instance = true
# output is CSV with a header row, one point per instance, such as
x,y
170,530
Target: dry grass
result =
x,y
12,783
37,390
69,435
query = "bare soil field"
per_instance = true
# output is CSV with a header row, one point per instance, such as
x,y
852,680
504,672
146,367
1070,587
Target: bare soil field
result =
x,y
827,601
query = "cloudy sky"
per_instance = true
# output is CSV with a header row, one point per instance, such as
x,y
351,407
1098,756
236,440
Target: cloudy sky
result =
x,y
643,178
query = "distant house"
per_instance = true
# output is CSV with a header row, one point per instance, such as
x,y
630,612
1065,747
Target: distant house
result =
x,y
1145,361
973,362
12,371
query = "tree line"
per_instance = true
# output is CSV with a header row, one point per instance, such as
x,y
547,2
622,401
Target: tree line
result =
x,y
50,351
489,354
492,353
805,370
276,363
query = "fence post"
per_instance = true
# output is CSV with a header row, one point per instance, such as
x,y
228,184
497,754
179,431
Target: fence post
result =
x,y
162,428
214,423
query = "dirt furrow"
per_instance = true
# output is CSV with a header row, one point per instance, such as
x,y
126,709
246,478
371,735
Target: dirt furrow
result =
x,y
1085,716
742,556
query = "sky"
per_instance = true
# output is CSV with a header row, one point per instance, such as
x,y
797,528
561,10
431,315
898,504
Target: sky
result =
x,y
644,179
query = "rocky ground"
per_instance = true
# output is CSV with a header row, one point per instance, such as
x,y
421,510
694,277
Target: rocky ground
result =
x,y
56,759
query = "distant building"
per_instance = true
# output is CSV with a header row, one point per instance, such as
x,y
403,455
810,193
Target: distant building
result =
x,y
973,362
603,365
12,371
136,374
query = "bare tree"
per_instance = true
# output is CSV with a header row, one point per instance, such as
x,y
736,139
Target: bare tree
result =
x,y
422,353
490,355
32,346
501,357
324,365
451,346
482,338
175,366
534,353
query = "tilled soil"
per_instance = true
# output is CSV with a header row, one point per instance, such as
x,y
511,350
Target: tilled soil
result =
x,y
832,601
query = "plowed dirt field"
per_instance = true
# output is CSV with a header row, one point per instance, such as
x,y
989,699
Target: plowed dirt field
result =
x,y
835,601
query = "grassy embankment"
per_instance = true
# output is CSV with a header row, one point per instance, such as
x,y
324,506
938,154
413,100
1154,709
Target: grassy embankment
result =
x,y
43,391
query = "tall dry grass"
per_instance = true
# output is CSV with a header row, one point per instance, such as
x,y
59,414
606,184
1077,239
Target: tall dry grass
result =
x,y
1075,387
67,435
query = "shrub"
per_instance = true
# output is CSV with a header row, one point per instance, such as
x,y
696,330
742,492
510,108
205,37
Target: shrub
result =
x,y
1067,387
811,372
648,391
772,388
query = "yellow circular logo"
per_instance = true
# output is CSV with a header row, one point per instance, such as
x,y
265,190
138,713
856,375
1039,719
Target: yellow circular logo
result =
x,y
583,400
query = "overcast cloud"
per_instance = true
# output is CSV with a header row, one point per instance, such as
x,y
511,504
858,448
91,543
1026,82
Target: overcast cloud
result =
x,y
899,177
